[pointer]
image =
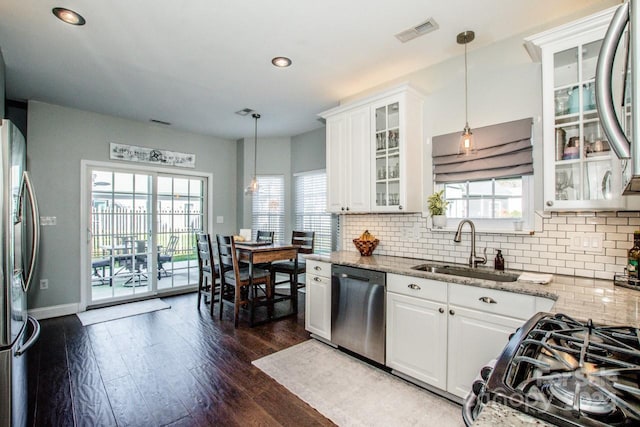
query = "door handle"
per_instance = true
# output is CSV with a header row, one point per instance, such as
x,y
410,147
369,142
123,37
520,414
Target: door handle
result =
x,y
35,232
32,339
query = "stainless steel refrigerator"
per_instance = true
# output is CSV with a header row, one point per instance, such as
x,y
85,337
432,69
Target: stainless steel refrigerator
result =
x,y
19,241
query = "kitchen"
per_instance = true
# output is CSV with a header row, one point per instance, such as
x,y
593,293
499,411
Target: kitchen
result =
x,y
511,83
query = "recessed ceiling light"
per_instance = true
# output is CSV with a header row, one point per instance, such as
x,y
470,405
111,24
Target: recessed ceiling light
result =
x,y
281,61
68,16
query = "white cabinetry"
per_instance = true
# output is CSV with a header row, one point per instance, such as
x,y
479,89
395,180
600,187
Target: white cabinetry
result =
x,y
417,328
348,161
442,334
480,322
374,153
317,319
580,170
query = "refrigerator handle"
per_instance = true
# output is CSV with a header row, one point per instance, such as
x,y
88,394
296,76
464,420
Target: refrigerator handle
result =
x,y
32,339
604,96
35,234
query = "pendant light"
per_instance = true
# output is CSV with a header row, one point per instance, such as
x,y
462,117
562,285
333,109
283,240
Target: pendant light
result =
x,y
253,185
466,140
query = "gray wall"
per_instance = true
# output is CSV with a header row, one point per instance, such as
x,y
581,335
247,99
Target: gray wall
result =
x,y
308,151
59,138
2,85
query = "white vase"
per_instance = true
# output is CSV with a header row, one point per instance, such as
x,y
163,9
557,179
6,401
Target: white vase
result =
x,y
439,221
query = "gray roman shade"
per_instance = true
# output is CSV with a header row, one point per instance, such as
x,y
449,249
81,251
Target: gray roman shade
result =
x,y
502,151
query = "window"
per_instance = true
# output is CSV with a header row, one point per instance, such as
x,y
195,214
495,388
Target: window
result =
x,y
489,199
268,206
311,208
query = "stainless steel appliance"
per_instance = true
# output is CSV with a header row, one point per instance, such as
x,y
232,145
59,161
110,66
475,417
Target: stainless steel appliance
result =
x,y
16,275
565,372
357,311
624,138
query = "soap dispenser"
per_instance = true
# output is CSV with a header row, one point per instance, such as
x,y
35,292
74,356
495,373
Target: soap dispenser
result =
x,y
498,263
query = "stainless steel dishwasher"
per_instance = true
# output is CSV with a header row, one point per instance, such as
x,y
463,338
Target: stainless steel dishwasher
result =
x,y
357,311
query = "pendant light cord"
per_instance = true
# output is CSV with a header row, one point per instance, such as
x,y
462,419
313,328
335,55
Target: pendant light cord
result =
x,y
466,100
255,150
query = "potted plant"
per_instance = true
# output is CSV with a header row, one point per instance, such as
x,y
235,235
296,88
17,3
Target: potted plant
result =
x,y
437,206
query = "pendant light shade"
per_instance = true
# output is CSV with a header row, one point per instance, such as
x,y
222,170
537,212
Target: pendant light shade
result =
x,y
466,140
253,185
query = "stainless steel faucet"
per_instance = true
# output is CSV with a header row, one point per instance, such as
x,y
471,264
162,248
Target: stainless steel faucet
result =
x,y
473,259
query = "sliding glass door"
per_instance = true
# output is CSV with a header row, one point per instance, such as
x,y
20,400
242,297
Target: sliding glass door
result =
x,y
142,228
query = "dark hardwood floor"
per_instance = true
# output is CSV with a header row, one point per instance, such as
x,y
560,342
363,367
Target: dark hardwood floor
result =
x,y
175,367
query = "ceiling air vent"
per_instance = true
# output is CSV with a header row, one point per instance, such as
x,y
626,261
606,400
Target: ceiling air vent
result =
x,y
244,112
418,30
160,122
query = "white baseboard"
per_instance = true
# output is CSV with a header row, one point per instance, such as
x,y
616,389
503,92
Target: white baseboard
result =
x,y
54,311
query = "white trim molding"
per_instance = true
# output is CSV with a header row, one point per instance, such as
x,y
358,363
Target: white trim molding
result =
x,y
54,311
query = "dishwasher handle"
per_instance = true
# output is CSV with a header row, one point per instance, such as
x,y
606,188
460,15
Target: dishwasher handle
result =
x,y
351,276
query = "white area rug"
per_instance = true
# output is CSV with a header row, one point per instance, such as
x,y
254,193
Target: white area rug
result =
x,y
119,311
351,393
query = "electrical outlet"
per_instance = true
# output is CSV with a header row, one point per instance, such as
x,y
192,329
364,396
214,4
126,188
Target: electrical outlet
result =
x,y
44,283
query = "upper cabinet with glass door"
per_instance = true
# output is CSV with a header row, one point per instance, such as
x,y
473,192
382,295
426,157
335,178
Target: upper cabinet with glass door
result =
x,y
384,154
397,153
581,171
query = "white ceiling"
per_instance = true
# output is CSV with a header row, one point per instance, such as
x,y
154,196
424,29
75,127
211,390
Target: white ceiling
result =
x,y
195,62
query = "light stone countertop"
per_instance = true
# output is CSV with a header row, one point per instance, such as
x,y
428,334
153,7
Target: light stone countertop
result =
x,y
577,297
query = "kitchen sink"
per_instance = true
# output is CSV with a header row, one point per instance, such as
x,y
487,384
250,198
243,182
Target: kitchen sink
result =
x,y
459,270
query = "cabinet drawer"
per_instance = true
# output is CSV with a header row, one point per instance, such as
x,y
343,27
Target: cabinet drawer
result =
x,y
494,301
319,268
417,287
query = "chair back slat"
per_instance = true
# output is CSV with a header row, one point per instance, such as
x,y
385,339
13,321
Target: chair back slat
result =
x,y
305,241
264,236
205,253
227,256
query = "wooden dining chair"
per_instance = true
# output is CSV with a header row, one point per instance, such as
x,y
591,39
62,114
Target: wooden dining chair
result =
x,y
234,282
305,241
208,272
264,236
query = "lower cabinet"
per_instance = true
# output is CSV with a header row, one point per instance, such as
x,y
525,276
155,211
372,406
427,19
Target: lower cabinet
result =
x,y
443,333
317,319
475,337
417,338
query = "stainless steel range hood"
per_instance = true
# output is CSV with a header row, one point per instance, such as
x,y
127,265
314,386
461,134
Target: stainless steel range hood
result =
x,y
620,144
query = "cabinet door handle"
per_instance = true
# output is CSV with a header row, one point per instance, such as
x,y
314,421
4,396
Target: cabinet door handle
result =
x,y
451,312
317,279
414,287
549,202
441,310
317,268
487,300
347,208
400,207
342,208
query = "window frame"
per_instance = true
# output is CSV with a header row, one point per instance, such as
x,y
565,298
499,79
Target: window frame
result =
x,y
324,235
501,224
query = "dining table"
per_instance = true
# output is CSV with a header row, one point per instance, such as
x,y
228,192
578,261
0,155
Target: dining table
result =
x,y
258,253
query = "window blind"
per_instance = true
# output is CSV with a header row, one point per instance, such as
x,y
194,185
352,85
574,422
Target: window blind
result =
x,y
310,209
268,206
502,151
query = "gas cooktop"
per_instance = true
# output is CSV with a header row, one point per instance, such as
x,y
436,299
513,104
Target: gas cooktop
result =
x,y
570,373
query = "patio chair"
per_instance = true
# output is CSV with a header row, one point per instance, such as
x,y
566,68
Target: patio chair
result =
x,y
167,255
101,263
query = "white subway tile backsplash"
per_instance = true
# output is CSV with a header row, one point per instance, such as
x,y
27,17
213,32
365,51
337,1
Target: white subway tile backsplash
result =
x,y
545,251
